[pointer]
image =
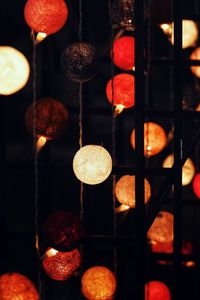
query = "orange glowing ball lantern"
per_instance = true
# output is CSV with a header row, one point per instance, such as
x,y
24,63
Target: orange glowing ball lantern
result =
x,y
61,265
98,283
125,191
45,16
154,139
14,286
123,95
157,290
123,52
51,120
63,230
196,185
161,231
195,55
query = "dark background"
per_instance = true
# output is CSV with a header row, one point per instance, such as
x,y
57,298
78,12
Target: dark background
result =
x,y
58,187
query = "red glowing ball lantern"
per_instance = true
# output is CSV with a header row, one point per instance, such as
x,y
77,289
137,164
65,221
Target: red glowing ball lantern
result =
x,y
45,16
123,52
195,55
51,119
123,95
61,265
14,286
157,290
196,185
154,139
63,230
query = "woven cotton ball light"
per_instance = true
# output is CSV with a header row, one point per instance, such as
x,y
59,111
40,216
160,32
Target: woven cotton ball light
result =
x,y
14,286
92,164
14,70
161,231
98,283
61,265
157,290
123,14
188,169
63,230
45,16
195,56
125,190
196,185
79,62
123,52
154,139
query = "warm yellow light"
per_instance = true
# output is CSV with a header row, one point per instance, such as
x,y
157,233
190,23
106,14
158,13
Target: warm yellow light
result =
x,y
40,37
40,143
125,190
161,230
51,252
14,70
92,164
188,169
119,108
195,55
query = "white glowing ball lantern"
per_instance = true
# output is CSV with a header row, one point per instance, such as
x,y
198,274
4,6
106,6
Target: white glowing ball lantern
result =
x,y
92,164
14,70
188,169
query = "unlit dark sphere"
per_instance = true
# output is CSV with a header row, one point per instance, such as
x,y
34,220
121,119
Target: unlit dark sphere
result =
x,y
123,14
63,230
79,62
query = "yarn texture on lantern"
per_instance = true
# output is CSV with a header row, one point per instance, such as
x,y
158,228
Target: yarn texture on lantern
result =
x,y
123,14
61,265
80,62
123,52
157,290
98,283
63,230
15,286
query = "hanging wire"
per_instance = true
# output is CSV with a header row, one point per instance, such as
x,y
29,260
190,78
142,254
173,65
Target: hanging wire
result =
x,y
36,173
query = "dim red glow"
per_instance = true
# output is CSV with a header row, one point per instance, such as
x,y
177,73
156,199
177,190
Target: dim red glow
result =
x,y
196,185
157,290
123,52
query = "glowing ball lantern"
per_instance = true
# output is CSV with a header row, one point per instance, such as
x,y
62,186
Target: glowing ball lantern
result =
x,y
15,286
63,230
123,95
189,33
161,231
123,14
123,52
92,164
188,169
61,265
196,185
154,139
14,70
125,192
45,16
195,56
157,290
98,283
51,120
79,62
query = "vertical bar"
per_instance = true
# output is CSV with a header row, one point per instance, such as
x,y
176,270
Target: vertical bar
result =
x,y
177,89
139,148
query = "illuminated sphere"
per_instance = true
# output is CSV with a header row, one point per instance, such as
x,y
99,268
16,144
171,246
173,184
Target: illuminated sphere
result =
x,y
46,16
188,169
14,70
196,185
124,90
125,190
161,230
98,283
51,118
189,34
157,290
92,164
123,52
154,139
195,56
63,230
15,286
79,62
123,14
61,265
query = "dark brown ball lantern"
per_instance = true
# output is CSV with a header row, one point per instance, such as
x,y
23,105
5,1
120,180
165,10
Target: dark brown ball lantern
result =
x,y
123,12
79,62
63,230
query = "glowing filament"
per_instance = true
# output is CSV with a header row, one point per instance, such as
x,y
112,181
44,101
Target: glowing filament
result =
x,y
40,143
119,108
40,37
